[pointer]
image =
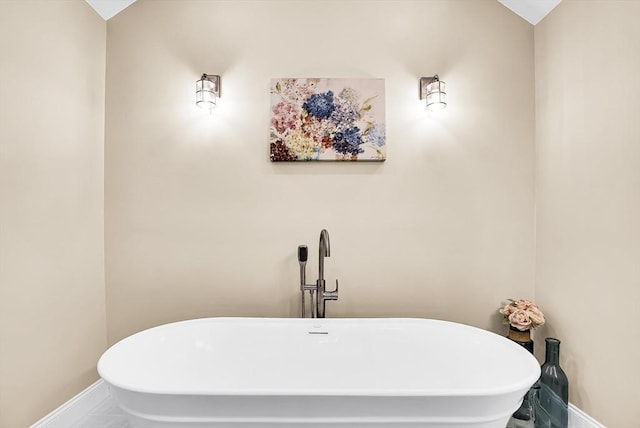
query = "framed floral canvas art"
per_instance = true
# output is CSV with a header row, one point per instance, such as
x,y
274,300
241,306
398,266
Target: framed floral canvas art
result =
x,y
327,120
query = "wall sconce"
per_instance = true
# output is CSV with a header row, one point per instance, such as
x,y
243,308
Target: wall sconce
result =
x,y
433,90
208,91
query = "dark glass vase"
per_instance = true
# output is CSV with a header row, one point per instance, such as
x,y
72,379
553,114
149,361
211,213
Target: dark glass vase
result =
x,y
552,401
522,338
523,417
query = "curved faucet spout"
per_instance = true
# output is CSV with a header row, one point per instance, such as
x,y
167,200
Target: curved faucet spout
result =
x,y
323,251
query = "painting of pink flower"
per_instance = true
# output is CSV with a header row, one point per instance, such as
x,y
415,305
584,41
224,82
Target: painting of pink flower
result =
x,y
285,116
327,119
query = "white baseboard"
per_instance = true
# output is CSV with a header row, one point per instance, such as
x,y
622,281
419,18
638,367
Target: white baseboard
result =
x,y
76,408
579,419
80,406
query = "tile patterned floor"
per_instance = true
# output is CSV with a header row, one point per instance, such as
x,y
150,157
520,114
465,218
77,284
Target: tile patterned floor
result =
x,y
104,415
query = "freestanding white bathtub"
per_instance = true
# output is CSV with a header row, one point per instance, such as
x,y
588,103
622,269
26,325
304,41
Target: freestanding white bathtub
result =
x,y
317,373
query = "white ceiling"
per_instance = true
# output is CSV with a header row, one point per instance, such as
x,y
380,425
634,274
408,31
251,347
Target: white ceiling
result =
x,y
531,10
109,8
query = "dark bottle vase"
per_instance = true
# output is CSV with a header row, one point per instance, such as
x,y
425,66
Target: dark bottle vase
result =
x,y
522,338
523,417
552,400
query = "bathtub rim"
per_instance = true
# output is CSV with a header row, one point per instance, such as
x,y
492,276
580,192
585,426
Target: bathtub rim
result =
x,y
523,385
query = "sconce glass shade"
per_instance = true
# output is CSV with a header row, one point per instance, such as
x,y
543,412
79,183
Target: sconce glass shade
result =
x,y
207,91
433,90
436,96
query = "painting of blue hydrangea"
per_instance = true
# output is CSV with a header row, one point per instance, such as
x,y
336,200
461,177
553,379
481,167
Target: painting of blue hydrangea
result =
x,y
327,120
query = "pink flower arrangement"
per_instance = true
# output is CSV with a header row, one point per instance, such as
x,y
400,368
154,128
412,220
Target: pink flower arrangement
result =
x,y
522,314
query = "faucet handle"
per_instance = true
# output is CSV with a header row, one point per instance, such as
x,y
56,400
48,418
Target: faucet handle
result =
x,y
332,295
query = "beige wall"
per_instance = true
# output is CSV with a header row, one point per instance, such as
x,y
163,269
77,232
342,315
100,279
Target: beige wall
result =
x,y
588,199
200,223
52,316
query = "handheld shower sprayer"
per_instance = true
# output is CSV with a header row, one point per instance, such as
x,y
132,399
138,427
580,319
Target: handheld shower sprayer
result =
x,y
303,254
